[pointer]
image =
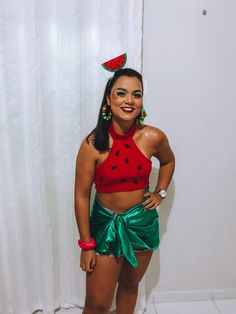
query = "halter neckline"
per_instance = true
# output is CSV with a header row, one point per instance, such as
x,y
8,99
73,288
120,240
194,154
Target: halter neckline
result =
x,y
122,136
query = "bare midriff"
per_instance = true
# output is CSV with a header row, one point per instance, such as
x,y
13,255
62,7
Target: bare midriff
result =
x,y
120,202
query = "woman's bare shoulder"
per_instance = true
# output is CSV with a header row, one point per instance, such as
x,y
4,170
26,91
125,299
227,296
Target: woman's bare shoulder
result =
x,y
152,133
90,139
87,147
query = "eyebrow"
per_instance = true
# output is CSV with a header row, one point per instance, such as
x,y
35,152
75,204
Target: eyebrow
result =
x,y
125,90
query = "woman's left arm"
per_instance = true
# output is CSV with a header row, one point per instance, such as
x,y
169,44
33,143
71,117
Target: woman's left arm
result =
x,y
167,162
163,152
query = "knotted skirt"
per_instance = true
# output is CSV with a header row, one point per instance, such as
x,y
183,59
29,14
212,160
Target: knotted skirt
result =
x,y
120,234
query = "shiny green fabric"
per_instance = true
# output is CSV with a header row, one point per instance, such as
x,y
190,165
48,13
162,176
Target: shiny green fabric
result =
x,y
120,234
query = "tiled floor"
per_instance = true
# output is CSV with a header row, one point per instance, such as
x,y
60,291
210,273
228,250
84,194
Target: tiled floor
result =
x,y
200,307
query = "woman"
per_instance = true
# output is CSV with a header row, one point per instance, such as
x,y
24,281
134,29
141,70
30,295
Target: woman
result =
x,y
123,224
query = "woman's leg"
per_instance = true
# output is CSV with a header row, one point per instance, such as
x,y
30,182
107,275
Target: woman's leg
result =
x,y
101,284
128,282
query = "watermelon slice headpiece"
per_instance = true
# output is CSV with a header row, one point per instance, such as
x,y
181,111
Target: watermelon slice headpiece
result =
x,y
116,63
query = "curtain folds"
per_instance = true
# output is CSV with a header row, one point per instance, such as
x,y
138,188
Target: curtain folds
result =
x,y
51,86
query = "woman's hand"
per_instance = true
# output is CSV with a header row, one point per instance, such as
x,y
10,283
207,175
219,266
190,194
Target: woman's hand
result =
x,y
154,200
87,260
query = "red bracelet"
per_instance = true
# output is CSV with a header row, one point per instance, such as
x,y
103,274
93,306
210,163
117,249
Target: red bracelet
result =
x,y
87,245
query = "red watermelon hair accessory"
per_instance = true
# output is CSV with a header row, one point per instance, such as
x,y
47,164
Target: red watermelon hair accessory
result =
x,y
116,63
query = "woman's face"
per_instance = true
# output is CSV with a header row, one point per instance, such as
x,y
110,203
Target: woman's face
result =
x,y
126,98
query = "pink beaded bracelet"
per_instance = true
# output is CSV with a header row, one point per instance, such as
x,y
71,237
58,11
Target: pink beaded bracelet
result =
x,y
87,245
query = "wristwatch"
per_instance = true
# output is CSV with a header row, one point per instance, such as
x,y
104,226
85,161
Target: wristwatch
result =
x,y
161,192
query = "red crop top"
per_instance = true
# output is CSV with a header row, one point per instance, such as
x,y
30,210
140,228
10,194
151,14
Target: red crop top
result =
x,y
126,168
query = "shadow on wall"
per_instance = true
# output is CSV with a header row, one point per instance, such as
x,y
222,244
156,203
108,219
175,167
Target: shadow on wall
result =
x,y
153,271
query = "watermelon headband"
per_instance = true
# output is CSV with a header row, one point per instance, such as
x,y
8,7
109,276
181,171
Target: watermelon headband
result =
x,y
116,63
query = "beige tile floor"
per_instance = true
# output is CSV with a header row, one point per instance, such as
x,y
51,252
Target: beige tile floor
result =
x,y
199,307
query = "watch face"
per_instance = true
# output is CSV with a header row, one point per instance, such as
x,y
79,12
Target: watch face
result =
x,y
163,193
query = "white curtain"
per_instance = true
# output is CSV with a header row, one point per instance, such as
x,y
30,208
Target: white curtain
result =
x,y
51,85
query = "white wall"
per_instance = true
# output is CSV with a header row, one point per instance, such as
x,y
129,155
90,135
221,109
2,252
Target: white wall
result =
x,y
189,68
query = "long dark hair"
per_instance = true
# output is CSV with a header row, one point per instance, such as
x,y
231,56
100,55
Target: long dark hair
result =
x,y
101,131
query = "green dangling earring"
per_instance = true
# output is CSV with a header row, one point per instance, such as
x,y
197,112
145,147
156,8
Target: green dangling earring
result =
x,y
143,114
104,115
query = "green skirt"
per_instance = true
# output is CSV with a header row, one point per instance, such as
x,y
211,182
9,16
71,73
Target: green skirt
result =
x,y
122,234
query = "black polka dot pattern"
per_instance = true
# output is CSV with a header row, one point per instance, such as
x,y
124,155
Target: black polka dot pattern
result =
x,y
126,168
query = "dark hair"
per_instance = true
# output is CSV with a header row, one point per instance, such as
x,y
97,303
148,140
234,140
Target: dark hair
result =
x,y
101,131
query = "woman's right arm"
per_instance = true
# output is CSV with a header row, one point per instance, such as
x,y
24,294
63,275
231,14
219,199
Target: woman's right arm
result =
x,y
85,168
